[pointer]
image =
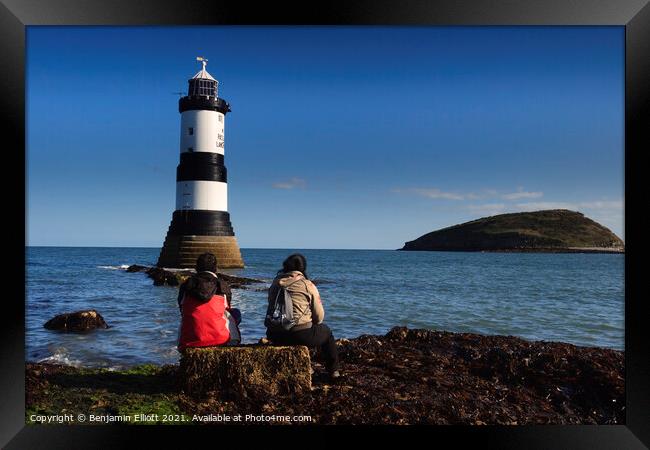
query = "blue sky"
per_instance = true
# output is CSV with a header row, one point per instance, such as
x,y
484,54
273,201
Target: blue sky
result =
x,y
339,137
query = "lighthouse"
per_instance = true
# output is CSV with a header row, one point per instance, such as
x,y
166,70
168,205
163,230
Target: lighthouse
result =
x,y
201,222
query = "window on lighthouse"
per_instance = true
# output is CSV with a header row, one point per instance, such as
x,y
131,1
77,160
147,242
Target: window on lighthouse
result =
x,y
190,131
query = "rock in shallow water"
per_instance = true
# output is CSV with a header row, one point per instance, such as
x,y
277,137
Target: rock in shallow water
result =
x,y
162,277
77,321
247,371
136,268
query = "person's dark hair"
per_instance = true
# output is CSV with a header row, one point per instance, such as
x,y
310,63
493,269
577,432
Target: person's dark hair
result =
x,y
206,261
295,262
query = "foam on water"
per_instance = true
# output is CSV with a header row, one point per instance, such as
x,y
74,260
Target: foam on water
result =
x,y
120,267
61,356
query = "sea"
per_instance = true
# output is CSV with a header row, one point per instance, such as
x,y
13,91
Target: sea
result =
x,y
574,298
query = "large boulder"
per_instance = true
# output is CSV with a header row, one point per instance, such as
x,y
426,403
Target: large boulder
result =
x,y
246,371
77,321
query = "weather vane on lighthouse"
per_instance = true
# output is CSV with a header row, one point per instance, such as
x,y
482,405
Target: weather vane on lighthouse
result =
x,y
201,222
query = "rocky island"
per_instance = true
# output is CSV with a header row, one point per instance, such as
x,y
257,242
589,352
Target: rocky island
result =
x,y
555,230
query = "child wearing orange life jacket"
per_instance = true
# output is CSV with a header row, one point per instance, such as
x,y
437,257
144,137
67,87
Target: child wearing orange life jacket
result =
x,y
207,319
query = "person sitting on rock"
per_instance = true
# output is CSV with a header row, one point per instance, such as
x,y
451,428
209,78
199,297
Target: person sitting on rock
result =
x,y
308,328
207,318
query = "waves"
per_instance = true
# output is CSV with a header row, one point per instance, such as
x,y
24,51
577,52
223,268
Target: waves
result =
x,y
61,356
120,267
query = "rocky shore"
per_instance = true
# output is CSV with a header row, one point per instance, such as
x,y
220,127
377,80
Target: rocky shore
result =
x,y
404,377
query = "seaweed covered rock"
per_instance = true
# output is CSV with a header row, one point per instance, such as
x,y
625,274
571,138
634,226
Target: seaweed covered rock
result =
x,y
77,321
248,371
162,277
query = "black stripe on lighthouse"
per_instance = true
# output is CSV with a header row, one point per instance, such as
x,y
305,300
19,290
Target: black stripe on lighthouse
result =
x,y
201,166
202,157
206,103
201,223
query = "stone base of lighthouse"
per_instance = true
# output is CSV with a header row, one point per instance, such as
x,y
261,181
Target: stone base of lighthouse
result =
x,y
182,251
192,233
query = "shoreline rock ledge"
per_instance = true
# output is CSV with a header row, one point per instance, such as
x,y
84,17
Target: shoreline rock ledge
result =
x,y
408,376
548,231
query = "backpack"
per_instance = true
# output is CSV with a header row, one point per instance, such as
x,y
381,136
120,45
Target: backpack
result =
x,y
280,312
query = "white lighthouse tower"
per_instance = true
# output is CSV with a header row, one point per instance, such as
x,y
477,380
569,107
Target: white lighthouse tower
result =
x,y
201,222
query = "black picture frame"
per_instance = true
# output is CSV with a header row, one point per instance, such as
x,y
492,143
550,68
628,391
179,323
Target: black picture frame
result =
x,y
634,15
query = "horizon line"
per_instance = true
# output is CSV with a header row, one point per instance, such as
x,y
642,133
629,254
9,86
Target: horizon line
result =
x,y
243,248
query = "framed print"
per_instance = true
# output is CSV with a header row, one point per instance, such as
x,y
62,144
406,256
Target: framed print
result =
x,y
367,214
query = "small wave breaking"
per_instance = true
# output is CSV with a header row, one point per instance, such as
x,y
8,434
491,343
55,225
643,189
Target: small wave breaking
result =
x,y
120,267
61,356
